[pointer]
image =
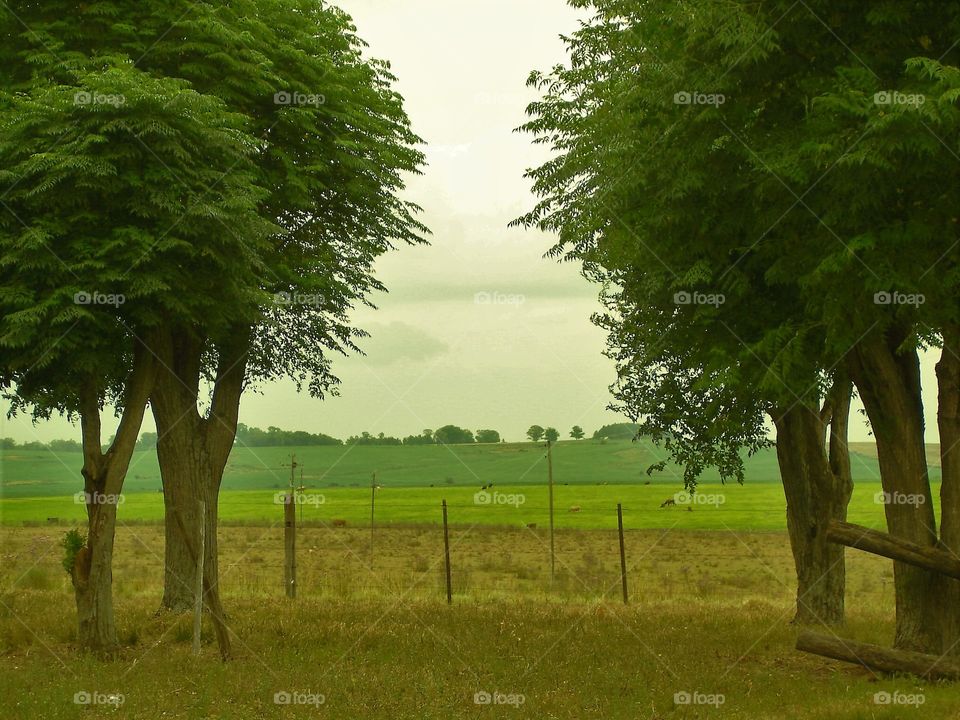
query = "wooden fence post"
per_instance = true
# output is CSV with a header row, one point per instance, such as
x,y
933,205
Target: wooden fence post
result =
x,y
550,484
290,544
623,554
446,554
373,502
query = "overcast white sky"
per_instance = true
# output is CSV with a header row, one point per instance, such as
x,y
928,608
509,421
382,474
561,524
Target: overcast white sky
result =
x,y
437,356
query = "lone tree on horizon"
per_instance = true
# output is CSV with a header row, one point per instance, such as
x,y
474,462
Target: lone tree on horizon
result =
x,y
535,433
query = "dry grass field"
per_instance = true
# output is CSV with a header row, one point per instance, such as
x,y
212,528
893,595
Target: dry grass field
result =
x,y
372,636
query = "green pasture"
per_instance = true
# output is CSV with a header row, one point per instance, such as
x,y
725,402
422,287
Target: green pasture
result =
x,y
757,506
38,485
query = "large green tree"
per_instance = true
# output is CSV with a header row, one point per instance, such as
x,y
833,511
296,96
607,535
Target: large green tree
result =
x,y
335,149
114,185
746,177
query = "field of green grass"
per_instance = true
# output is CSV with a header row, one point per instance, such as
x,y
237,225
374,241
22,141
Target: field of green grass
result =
x,y
39,485
29,473
759,506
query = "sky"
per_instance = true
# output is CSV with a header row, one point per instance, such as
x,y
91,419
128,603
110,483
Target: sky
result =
x,y
478,328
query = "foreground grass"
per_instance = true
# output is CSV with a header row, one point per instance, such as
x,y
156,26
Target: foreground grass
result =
x,y
422,659
372,635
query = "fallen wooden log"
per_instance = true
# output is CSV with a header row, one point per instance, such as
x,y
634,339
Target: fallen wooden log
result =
x,y
876,657
890,546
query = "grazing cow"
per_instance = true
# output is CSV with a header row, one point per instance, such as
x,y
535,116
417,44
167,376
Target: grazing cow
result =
x,y
670,502
574,508
339,523
532,526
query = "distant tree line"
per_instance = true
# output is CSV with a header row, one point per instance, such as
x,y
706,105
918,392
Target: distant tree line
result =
x,y
446,435
248,436
275,437
551,434
60,445
617,431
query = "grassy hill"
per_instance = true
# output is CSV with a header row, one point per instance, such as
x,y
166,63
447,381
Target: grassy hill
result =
x,y
37,473
590,475
869,449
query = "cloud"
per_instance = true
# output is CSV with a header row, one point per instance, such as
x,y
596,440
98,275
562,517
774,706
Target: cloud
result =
x,y
398,342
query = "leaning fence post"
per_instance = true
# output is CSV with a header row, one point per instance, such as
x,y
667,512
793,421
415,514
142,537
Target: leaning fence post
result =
x,y
623,554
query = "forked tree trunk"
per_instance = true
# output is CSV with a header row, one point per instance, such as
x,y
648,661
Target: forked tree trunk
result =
x,y
948,421
193,452
104,473
817,489
888,379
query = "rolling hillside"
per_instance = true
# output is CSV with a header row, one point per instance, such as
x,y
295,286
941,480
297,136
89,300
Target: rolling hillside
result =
x,y
43,473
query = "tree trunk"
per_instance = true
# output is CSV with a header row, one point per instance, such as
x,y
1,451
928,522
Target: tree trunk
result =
x,y
888,378
815,494
948,421
93,583
875,657
103,474
193,452
179,452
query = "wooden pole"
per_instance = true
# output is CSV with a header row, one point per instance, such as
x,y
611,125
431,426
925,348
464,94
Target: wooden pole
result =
x,y
446,554
290,544
550,485
875,657
198,586
373,502
890,546
290,533
623,554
